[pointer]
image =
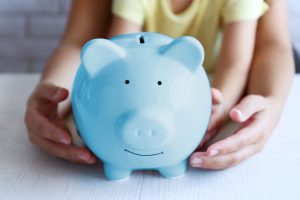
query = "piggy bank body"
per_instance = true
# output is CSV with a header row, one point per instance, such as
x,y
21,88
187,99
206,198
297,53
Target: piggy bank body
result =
x,y
142,101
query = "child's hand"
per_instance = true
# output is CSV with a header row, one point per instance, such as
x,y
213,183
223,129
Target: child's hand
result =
x,y
47,129
258,116
218,116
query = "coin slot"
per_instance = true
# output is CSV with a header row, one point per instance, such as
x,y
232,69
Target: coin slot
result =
x,y
142,40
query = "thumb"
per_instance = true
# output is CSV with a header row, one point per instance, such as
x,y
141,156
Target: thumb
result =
x,y
51,92
247,107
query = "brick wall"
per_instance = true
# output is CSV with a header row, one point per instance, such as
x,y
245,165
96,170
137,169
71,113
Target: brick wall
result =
x,y
30,29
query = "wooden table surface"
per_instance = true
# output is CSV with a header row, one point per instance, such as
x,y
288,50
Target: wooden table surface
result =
x,y
28,173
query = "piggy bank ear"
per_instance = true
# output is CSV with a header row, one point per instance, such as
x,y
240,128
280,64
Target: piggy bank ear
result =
x,y
97,53
185,50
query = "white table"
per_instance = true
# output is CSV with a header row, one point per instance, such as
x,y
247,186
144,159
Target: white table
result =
x,y
28,173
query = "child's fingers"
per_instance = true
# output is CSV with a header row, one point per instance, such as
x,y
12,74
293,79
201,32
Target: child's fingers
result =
x,y
217,96
248,134
68,152
46,91
51,92
249,105
213,123
217,118
213,128
46,129
200,160
61,95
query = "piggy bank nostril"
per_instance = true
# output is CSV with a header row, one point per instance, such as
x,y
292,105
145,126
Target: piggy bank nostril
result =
x,y
138,133
152,132
145,130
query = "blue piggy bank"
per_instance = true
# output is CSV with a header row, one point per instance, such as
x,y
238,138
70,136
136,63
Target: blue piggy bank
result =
x,y
142,101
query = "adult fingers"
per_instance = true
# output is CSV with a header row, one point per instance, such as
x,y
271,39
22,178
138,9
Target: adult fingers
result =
x,y
216,120
248,106
249,133
40,125
67,152
200,160
51,92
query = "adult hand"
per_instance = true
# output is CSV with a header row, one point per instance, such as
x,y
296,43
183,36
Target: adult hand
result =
x,y
258,117
47,129
218,116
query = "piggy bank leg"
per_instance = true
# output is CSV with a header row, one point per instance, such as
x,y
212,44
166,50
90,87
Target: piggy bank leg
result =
x,y
115,173
174,171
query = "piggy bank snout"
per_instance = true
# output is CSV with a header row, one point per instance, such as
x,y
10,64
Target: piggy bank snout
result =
x,y
145,130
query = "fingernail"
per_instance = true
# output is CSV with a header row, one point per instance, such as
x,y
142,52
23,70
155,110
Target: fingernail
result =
x,y
213,152
84,157
197,162
59,92
64,141
240,114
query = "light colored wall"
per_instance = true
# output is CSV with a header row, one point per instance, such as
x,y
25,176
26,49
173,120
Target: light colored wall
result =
x,y
294,22
30,29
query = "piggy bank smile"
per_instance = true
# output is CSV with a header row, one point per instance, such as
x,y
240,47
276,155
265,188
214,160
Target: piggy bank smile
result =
x,y
137,154
142,105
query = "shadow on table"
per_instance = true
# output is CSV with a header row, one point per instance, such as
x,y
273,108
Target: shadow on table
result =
x,y
60,167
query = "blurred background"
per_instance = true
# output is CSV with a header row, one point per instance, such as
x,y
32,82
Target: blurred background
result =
x,y
30,30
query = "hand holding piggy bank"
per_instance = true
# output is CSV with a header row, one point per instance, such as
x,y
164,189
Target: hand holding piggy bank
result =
x,y
142,101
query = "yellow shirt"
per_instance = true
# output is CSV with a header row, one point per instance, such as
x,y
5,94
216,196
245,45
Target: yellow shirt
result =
x,y
203,19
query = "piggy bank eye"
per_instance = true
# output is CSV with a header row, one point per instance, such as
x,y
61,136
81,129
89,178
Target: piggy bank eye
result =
x,y
127,82
159,82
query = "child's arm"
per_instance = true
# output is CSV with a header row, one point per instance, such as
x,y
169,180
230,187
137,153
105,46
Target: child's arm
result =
x,y
231,72
122,26
270,79
232,69
45,123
